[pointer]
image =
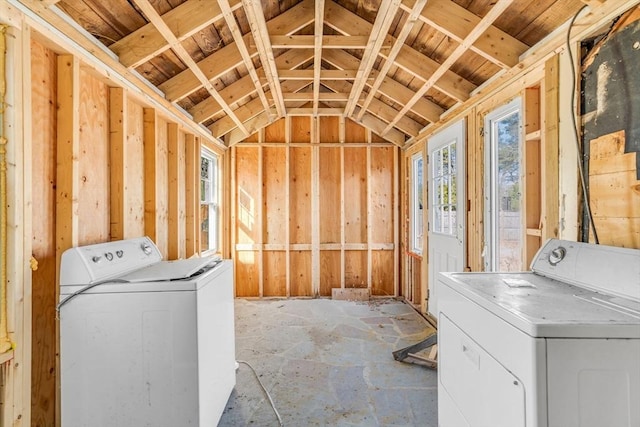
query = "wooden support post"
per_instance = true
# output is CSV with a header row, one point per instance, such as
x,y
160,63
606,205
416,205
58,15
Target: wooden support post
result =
x,y
176,188
192,176
396,222
287,204
260,213
343,260
118,162
369,222
197,216
150,174
315,213
550,150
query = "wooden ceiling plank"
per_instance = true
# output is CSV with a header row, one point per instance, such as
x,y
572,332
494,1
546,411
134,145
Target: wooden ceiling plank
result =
x,y
315,111
456,22
324,74
243,87
155,18
260,31
409,59
498,8
322,96
183,21
380,28
232,25
250,110
389,87
414,13
228,57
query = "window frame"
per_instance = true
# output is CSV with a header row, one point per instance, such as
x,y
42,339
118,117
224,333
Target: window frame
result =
x,y
491,252
416,217
213,203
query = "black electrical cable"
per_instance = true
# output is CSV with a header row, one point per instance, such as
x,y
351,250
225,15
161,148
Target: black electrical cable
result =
x,y
585,191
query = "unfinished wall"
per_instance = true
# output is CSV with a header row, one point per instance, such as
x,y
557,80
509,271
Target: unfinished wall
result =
x,y
315,209
105,167
612,134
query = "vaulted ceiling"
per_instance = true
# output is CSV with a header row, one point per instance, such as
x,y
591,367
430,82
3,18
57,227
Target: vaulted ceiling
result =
x,y
392,65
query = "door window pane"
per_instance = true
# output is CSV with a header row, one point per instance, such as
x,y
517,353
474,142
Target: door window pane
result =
x,y
445,198
417,203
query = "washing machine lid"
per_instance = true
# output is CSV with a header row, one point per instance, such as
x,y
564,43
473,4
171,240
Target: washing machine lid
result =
x,y
545,307
171,270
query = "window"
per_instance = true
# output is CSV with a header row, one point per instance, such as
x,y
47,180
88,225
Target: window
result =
x,y
503,139
209,207
445,199
416,203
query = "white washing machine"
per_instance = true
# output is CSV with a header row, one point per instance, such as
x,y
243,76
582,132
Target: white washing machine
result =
x,y
555,347
144,342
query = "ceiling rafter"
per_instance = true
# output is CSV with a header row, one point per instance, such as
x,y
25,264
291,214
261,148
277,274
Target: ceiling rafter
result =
x,y
230,19
384,18
390,88
393,53
255,15
328,42
183,21
244,86
409,59
228,57
154,17
317,55
455,21
499,7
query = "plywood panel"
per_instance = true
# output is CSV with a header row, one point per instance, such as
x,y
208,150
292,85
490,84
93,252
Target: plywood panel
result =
x,y
247,275
329,129
300,195
355,269
275,268
355,191
382,273
93,167
275,132
134,190
329,271
300,274
248,212
353,132
381,188
43,183
330,216
300,129
274,211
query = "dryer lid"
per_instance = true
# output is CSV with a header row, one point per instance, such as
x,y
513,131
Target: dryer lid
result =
x,y
171,270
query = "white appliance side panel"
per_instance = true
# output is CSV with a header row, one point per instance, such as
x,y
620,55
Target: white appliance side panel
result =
x,y
129,359
522,355
484,391
594,382
216,335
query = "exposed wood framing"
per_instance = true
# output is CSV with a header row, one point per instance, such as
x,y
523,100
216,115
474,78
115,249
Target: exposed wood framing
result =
x,y
499,7
192,198
182,53
391,56
255,15
118,178
384,18
317,52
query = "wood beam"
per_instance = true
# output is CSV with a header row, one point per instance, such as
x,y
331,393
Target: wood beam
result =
x,y
317,55
244,87
255,15
384,18
232,25
182,53
324,75
328,42
389,87
228,57
309,96
499,7
456,22
395,50
183,21
192,199
118,128
409,59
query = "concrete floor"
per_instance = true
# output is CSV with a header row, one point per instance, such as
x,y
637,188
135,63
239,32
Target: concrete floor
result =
x,y
329,363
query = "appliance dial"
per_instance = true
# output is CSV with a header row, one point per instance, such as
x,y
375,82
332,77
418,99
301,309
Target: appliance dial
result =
x,y
109,256
96,258
557,255
119,253
146,248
